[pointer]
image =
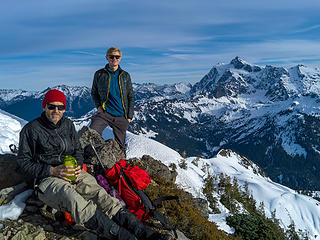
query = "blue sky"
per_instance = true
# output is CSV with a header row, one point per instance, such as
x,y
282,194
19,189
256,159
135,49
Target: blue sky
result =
x,y
47,43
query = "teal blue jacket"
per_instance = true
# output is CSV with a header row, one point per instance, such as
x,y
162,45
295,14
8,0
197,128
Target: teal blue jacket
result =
x,y
101,88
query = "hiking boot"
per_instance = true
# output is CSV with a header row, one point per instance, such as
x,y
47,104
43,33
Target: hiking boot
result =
x,y
107,228
126,219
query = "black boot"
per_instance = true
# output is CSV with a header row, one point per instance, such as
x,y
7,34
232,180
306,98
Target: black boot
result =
x,y
127,220
107,228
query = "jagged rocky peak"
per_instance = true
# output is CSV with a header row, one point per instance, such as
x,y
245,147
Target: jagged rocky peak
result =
x,y
275,76
10,94
206,84
228,79
239,63
276,81
70,91
307,73
230,85
297,71
182,87
156,91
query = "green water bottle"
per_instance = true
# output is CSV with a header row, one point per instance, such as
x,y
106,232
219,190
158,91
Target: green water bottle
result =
x,y
70,161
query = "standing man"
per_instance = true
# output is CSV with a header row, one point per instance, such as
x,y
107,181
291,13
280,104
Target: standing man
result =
x,y
43,144
112,94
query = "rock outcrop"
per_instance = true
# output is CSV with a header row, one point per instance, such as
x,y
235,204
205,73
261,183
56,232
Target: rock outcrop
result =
x,y
108,151
8,175
155,168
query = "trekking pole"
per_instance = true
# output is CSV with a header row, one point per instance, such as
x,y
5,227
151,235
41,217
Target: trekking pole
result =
x,y
94,149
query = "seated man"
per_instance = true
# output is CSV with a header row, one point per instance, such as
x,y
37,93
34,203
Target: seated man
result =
x,y
44,142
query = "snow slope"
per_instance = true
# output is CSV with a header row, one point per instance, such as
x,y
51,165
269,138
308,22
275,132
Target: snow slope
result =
x,y
289,205
10,127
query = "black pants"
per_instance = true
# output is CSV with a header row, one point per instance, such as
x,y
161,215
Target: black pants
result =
x,y
119,126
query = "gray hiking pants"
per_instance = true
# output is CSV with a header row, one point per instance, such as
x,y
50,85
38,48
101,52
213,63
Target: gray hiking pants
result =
x,y
119,126
80,199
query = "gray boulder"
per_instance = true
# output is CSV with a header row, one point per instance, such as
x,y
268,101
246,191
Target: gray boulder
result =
x,y
8,175
155,167
108,151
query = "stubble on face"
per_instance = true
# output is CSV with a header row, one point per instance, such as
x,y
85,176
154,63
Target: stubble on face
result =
x,y
54,115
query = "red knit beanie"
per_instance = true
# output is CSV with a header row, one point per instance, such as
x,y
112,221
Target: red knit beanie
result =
x,y
54,95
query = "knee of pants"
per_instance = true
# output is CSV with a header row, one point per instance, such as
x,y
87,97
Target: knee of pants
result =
x,y
90,189
98,125
60,195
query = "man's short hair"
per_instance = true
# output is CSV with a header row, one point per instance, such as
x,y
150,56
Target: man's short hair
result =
x,y
113,49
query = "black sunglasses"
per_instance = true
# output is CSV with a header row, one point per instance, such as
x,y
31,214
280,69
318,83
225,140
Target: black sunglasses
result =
x,y
114,56
52,107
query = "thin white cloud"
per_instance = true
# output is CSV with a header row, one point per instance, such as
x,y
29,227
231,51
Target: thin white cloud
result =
x,y
85,53
307,29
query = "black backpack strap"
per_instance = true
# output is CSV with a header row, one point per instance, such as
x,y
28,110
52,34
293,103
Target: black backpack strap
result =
x,y
164,221
144,197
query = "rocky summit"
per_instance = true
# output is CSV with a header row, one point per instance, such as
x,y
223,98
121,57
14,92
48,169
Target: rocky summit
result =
x,y
40,222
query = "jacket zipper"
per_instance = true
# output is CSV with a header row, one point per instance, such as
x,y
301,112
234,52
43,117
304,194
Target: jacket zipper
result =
x,y
63,144
124,109
104,104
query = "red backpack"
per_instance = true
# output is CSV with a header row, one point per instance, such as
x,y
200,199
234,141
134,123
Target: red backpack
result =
x,y
131,181
139,179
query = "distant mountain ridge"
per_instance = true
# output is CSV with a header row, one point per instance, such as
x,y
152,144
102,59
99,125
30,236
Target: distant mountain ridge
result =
x,y
270,114
27,104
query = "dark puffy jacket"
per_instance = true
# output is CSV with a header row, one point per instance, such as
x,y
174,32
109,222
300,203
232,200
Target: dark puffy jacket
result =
x,y
43,145
101,86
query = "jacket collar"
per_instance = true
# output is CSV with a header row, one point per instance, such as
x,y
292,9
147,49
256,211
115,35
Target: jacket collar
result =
x,y
107,69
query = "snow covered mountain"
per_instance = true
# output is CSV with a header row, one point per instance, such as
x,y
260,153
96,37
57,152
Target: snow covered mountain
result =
x,y
269,114
289,205
27,104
